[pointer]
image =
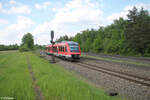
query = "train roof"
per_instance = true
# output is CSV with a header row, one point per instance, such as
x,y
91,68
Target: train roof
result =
x,y
63,42
69,42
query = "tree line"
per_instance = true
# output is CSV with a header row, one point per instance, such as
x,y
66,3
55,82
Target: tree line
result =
x,y
129,36
9,47
27,44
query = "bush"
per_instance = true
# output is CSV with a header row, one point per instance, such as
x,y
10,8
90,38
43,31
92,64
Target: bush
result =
x,y
24,48
147,55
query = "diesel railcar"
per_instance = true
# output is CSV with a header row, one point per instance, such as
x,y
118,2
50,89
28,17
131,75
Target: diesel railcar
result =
x,y
65,49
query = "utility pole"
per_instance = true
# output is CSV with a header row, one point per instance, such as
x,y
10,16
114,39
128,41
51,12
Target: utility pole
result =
x,y
52,42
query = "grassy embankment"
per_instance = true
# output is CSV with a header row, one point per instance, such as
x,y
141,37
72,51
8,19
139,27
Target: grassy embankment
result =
x,y
14,77
116,60
55,82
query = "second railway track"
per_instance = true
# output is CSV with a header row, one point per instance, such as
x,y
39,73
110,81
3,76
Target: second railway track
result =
x,y
132,78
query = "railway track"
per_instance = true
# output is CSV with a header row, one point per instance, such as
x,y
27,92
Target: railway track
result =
x,y
132,78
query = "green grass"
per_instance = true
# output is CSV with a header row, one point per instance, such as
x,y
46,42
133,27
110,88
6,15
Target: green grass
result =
x,y
116,60
14,77
55,82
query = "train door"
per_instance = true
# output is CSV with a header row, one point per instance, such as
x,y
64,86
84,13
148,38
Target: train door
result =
x,y
63,51
60,50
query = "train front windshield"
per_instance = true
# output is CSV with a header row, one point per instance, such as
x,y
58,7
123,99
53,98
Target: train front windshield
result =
x,y
74,47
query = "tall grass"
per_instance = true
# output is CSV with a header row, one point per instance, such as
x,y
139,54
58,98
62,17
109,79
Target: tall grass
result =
x,y
15,81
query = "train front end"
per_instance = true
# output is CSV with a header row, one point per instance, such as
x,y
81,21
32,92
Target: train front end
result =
x,y
74,50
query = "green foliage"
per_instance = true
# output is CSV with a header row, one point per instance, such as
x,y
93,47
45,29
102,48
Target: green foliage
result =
x,y
9,47
27,43
23,48
64,38
28,40
138,30
39,46
97,45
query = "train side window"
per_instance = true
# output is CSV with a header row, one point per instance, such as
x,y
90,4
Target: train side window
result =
x,y
66,49
55,49
59,48
63,48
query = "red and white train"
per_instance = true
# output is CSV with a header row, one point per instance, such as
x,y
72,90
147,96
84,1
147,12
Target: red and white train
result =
x,y
66,49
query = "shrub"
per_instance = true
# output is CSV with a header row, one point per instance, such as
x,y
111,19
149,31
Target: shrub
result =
x,y
24,48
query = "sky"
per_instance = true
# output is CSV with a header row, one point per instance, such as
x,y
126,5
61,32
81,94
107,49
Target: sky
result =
x,y
64,17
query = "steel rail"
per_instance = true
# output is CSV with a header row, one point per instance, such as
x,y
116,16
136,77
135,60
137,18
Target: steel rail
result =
x,y
133,78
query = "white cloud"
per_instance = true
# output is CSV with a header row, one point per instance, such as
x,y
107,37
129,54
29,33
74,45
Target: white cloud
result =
x,y
1,8
14,32
55,9
15,9
38,6
12,2
43,5
126,10
3,21
75,16
79,10
0,5
22,9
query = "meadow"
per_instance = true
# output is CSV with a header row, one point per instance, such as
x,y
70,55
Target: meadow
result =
x,y
55,82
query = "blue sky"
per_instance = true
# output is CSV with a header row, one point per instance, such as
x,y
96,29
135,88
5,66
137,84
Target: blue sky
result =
x,y
65,17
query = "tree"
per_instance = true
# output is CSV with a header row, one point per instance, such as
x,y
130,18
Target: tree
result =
x,y
63,38
138,30
97,45
27,41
